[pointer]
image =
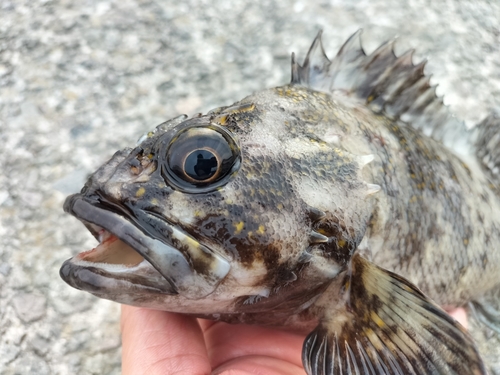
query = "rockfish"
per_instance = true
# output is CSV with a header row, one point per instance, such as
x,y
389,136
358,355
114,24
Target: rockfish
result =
x,y
348,203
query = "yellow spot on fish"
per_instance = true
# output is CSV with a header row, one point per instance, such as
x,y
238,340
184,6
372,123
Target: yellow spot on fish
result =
x,y
198,213
341,243
322,231
408,289
261,229
346,285
244,108
140,192
466,241
339,152
279,206
376,319
238,227
192,243
221,120
154,202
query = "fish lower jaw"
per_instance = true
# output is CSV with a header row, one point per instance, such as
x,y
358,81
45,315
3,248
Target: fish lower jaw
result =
x,y
111,251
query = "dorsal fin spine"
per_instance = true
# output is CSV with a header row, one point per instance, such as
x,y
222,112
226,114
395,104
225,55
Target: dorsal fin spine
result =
x,y
295,70
385,82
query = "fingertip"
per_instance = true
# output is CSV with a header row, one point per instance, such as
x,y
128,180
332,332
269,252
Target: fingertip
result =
x,y
459,315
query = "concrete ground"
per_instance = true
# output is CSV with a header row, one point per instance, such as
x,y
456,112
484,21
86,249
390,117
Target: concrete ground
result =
x,y
80,80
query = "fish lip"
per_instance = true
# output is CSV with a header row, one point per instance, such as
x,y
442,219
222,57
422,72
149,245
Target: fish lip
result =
x,y
101,282
77,272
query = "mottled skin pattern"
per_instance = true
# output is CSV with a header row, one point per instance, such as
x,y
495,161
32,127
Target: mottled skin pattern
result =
x,y
302,151
436,219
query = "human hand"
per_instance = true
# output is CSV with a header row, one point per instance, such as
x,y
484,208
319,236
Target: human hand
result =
x,y
460,315
158,342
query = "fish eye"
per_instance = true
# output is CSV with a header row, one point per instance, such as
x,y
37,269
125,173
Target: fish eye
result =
x,y
201,165
198,158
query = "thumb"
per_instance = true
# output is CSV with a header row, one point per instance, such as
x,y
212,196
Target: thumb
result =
x,y
158,342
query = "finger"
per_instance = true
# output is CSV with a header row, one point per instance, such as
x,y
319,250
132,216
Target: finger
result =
x,y
459,315
226,342
251,365
158,342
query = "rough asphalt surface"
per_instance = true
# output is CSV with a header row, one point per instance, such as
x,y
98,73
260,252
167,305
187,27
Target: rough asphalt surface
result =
x,y
80,80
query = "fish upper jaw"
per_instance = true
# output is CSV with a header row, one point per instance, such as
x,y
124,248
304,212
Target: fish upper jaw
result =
x,y
128,258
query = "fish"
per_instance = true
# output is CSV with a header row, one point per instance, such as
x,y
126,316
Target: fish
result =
x,y
349,204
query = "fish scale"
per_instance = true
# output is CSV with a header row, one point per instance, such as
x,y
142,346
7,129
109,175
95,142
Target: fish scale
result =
x,y
349,203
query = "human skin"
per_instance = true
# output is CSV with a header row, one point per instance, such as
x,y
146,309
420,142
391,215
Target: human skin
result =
x,y
159,342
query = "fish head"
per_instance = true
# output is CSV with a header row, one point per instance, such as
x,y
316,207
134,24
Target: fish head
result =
x,y
232,211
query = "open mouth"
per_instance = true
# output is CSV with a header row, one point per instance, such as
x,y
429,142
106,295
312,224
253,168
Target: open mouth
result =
x,y
111,250
121,260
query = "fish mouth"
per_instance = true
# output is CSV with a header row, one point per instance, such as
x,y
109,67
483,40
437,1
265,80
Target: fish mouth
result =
x,y
111,250
116,262
132,260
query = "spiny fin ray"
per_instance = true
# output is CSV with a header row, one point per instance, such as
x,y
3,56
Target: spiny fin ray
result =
x,y
384,325
386,83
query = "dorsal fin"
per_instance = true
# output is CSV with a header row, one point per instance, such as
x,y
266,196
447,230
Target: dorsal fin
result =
x,y
386,83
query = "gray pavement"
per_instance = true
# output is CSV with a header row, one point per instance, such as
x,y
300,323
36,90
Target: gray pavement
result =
x,y
81,79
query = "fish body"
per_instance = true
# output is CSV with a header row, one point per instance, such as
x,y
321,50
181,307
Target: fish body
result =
x,y
322,205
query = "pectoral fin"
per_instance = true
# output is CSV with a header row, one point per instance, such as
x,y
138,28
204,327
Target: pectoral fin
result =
x,y
382,324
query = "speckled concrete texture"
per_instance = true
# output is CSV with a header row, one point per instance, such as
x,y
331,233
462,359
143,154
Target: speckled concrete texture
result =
x,y
81,79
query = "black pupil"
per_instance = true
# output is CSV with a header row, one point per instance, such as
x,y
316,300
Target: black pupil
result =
x,y
200,165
